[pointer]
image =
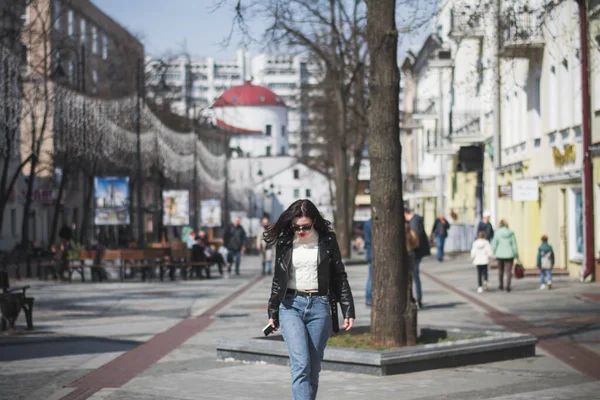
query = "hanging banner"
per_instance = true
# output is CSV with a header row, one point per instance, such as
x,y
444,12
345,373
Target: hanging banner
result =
x,y
176,207
211,213
111,196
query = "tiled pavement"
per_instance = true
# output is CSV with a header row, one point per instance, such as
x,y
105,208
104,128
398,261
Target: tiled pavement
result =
x,y
84,326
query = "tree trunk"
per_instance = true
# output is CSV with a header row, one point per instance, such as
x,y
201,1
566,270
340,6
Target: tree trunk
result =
x,y
28,199
87,205
56,215
390,258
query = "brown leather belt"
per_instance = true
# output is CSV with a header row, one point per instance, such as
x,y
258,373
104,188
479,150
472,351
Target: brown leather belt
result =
x,y
294,293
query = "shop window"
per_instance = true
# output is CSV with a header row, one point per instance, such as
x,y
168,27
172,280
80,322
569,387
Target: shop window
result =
x,y
575,223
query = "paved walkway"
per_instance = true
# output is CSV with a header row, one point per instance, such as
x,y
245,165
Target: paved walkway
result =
x,y
130,341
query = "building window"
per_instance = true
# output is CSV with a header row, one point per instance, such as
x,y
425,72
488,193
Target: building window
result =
x,y
283,150
94,40
296,193
57,15
104,47
82,30
95,80
575,215
296,174
71,71
268,151
307,193
578,134
71,26
268,130
565,136
537,143
282,130
13,222
552,139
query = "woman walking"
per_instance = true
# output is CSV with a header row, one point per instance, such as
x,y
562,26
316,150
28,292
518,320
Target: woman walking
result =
x,y
308,273
505,251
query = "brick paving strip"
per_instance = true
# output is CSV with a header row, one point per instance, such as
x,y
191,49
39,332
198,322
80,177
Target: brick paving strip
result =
x,y
570,353
124,368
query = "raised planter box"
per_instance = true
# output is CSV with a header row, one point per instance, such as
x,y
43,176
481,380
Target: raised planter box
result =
x,y
493,346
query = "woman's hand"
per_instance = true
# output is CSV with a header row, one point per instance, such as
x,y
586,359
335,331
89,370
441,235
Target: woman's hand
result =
x,y
272,323
348,323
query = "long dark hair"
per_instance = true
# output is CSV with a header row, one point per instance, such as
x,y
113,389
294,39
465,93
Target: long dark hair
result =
x,y
298,209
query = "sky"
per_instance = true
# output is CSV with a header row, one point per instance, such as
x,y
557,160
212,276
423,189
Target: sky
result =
x,y
198,25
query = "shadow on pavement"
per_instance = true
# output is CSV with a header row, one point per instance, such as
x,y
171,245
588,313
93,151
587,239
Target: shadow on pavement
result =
x,y
429,306
24,348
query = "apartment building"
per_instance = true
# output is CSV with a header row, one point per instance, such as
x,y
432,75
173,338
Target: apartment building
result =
x,y
508,104
198,82
74,44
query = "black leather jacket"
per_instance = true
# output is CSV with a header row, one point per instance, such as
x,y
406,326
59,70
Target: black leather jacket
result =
x,y
331,272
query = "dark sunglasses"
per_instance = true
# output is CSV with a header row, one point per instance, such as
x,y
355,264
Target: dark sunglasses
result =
x,y
302,228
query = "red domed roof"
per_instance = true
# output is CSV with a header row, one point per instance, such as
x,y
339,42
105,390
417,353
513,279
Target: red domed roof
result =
x,y
249,95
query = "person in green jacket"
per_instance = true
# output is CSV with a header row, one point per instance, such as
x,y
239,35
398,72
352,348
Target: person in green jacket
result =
x,y
545,263
505,251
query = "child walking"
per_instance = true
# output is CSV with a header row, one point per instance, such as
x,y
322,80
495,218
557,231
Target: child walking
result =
x,y
481,252
545,263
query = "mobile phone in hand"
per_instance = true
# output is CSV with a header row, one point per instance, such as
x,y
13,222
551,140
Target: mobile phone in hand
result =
x,y
267,330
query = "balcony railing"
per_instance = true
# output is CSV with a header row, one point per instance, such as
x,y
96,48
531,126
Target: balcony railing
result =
x,y
466,24
522,33
440,143
466,128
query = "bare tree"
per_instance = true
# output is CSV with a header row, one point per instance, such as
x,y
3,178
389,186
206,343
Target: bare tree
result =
x,y
333,33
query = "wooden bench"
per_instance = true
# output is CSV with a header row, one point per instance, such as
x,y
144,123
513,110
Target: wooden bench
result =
x,y
12,301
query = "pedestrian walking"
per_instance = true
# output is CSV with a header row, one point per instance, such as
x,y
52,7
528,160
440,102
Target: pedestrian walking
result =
x,y
417,224
235,241
486,226
481,252
506,252
439,232
266,252
309,275
545,263
368,237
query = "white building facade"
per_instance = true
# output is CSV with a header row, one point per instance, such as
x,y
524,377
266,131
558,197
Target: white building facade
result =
x,y
258,118
202,80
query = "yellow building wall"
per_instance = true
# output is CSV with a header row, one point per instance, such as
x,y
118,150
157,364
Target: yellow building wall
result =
x,y
523,219
462,194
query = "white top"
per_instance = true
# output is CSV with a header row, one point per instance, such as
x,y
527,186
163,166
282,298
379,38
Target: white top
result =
x,y
481,252
303,271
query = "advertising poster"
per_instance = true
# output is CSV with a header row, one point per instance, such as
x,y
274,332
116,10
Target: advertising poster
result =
x,y
176,207
210,210
111,195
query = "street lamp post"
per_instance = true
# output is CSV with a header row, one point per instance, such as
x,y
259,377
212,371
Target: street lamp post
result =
x,y
140,183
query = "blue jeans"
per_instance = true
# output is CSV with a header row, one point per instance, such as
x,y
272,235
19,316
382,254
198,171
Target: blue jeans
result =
x,y
269,266
306,325
545,273
439,241
237,258
368,292
417,279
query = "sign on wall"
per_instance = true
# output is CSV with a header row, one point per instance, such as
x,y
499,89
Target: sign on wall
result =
x,y
211,213
526,190
176,207
505,191
111,196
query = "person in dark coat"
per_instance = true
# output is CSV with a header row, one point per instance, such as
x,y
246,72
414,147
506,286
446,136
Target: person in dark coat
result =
x,y
486,227
439,232
417,224
368,235
235,242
